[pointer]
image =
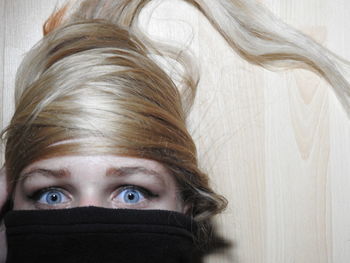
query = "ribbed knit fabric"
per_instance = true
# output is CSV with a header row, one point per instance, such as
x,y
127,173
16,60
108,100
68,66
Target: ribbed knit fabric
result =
x,y
99,235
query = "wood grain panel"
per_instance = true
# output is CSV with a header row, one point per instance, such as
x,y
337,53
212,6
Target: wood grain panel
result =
x,y
2,62
339,170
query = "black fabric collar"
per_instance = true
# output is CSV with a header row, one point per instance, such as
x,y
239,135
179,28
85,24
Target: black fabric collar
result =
x,y
94,234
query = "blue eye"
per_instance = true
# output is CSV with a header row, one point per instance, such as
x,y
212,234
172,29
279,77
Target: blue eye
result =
x,y
131,196
51,197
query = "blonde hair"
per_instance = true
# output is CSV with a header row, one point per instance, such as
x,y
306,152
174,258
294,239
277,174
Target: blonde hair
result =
x,y
94,74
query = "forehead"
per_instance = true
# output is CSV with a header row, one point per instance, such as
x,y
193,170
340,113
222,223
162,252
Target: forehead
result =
x,y
95,163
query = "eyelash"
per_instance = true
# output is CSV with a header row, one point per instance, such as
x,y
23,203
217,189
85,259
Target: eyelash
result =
x,y
36,195
147,193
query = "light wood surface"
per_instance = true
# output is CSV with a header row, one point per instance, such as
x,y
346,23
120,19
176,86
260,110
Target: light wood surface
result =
x,y
277,145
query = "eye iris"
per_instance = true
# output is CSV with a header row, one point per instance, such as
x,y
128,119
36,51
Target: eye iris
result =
x,y
53,197
131,196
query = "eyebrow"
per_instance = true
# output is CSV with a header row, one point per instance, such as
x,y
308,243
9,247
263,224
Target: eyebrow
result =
x,y
46,172
113,171
130,170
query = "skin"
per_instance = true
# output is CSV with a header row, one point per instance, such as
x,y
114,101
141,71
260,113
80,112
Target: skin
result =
x,y
104,181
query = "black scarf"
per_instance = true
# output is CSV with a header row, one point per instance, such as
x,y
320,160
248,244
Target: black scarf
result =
x,y
99,235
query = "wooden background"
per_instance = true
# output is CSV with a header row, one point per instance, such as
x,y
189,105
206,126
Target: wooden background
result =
x,y
275,144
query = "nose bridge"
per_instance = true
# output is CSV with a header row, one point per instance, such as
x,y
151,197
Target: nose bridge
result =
x,y
84,201
90,197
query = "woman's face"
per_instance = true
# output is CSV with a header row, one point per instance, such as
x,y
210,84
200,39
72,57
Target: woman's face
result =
x,y
105,181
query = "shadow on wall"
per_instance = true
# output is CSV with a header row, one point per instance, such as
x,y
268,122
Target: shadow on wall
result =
x,y
216,245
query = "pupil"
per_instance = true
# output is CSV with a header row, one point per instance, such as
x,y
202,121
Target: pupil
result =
x,y
54,197
131,196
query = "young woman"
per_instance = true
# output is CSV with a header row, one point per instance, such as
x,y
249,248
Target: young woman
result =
x,y
100,123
